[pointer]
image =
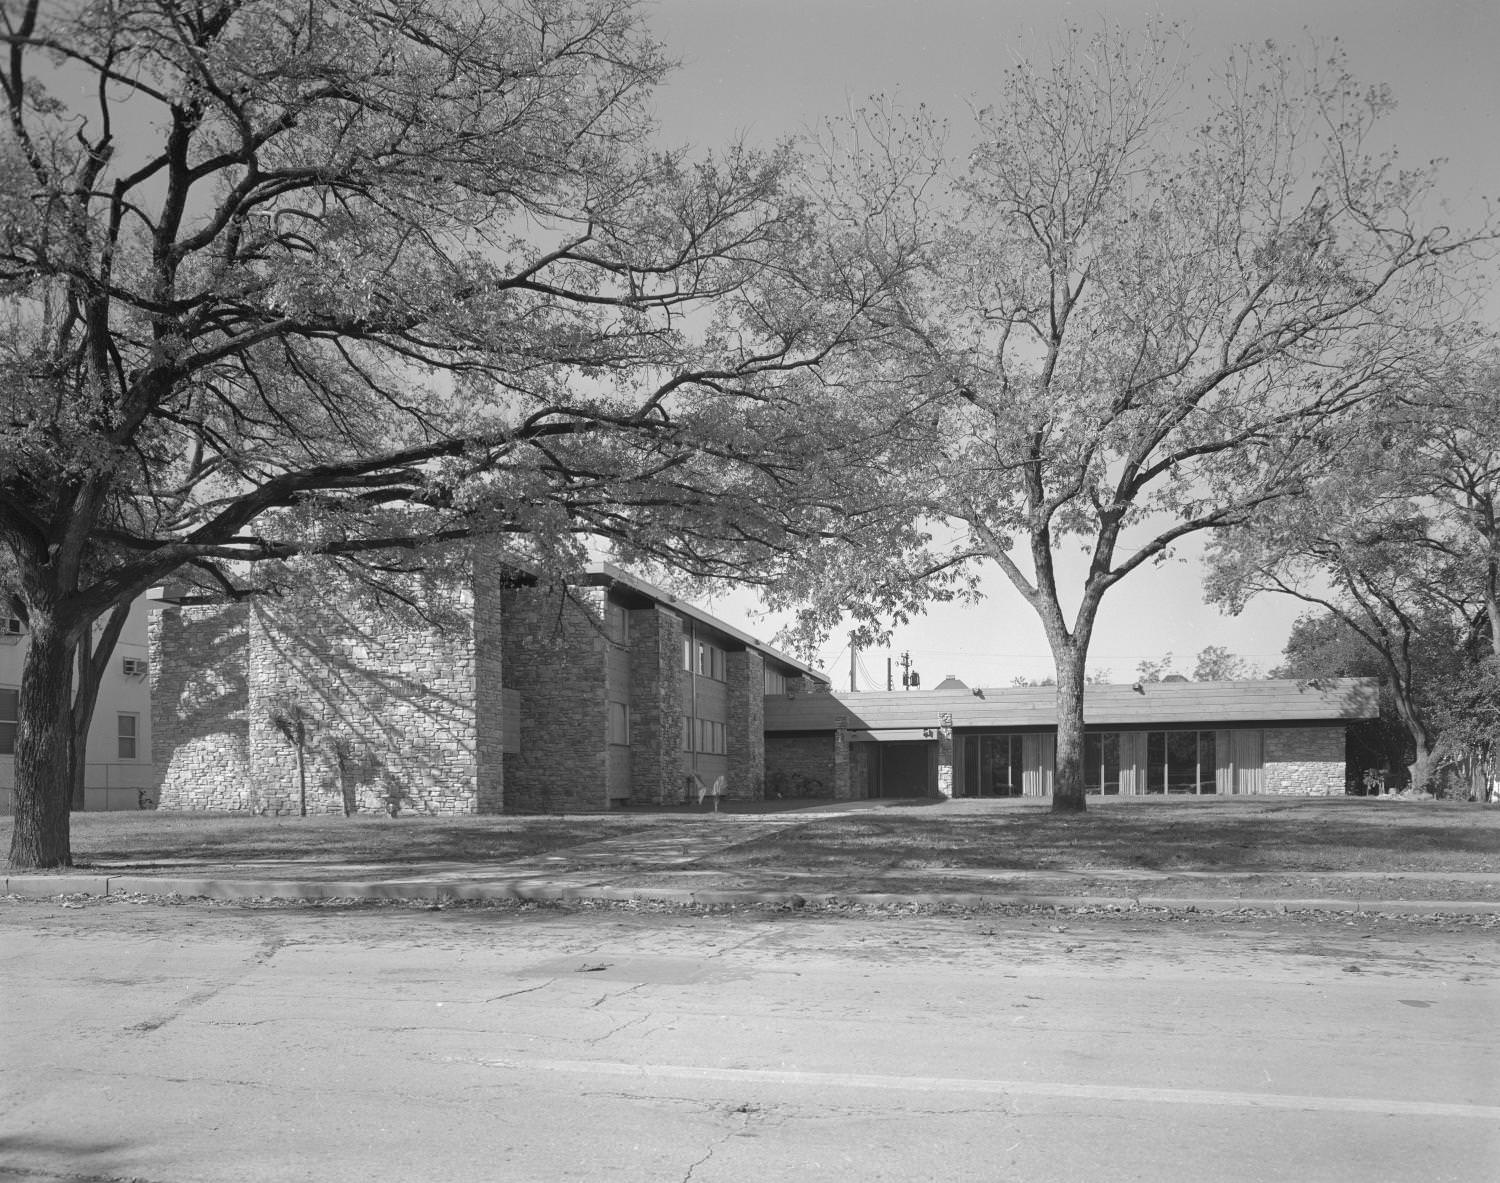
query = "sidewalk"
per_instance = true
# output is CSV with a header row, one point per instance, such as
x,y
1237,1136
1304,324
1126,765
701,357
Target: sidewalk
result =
x,y
659,867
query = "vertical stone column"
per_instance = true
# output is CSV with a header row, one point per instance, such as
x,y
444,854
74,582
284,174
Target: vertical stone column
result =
x,y
746,740
555,652
842,789
945,761
656,705
489,686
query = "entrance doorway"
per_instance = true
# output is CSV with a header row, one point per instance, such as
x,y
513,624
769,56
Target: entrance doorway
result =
x,y
907,770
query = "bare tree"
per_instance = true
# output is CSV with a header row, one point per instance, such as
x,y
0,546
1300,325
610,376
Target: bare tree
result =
x,y
1141,319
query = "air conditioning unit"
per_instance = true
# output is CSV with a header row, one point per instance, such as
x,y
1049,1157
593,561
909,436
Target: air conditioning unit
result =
x,y
135,667
11,629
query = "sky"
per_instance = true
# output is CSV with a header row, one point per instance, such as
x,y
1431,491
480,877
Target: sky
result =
x,y
767,69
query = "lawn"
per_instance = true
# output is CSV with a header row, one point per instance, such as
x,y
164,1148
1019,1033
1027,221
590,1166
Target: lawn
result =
x,y
178,838
1237,834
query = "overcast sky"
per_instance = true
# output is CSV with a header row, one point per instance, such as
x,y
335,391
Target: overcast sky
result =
x,y
766,69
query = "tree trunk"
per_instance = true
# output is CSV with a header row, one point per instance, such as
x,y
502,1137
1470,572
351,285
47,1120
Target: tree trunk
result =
x,y
1067,777
93,655
44,741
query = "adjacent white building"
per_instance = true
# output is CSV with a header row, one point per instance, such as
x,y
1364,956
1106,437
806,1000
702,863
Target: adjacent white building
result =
x,y
118,773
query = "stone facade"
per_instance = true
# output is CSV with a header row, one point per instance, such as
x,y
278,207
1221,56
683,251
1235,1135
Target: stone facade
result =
x,y
200,708
1303,761
492,697
657,776
746,726
388,711
556,655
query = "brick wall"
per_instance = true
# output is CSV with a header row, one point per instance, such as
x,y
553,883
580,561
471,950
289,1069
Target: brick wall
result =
x,y
1303,761
555,656
800,766
862,762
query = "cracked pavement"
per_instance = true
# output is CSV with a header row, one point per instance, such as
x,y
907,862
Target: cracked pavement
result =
x,y
205,1043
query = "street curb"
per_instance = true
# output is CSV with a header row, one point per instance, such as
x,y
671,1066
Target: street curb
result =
x,y
547,891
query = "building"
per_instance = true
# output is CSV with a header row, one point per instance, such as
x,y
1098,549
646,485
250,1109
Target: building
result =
x,y
117,771
501,695
1158,737
497,696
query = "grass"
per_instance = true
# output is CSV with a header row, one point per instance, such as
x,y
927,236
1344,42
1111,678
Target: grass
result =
x,y
178,838
1245,834
1165,834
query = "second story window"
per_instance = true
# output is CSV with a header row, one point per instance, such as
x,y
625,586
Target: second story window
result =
x,y
712,662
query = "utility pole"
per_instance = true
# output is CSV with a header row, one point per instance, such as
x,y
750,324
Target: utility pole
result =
x,y
889,685
908,678
853,663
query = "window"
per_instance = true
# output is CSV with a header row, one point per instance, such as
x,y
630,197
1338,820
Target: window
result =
x,y
687,654
617,624
992,766
775,681
10,716
687,733
619,723
1180,762
1101,762
10,628
711,737
712,662
127,735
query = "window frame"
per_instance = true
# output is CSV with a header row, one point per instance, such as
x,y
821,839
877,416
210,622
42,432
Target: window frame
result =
x,y
1159,763
134,737
10,719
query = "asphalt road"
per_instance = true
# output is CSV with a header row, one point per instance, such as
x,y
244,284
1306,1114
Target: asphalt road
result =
x,y
197,1043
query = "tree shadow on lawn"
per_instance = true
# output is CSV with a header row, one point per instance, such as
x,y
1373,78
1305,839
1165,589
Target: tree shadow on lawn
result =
x,y
146,838
1178,836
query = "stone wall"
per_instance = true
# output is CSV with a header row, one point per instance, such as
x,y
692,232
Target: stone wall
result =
x,y
388,703
200,729
555,656
746,726
491,722
1303,761
398,693
656,767
800,765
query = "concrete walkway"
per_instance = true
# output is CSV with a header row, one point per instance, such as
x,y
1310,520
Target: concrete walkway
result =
x,y
659,867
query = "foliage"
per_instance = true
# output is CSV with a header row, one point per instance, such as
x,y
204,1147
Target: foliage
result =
x,y
1397,543
1142,315
300,285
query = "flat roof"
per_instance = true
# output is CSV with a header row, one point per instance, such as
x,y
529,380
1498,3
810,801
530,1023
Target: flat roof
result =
x,y
1268,700
609,574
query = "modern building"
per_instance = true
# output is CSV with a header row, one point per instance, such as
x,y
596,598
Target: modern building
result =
x,y
495,696
117,771
505,696
1159,737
